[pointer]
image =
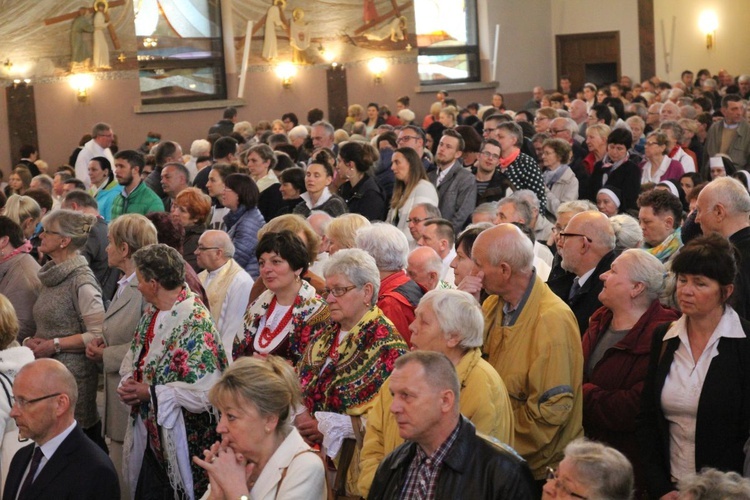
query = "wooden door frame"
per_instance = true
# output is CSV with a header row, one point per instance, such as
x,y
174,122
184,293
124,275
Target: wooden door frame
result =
x,y
559,39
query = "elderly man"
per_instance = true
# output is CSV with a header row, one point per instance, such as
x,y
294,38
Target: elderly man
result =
x,y
322,136
586,247
439,235
424,266
456,188
442,454
730,136
199,149
653,117
227,285
579,114
659,214
539,223
532,340
724,207
61,462
102,137
399,294
519,210
319,221
448,322
420,213
174,178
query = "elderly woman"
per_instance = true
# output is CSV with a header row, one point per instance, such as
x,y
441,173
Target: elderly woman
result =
x,y
69,312
262,455
596,140
191,209
398,294
104,186
12,359
342,370
712,484
628,232
127,234
342,231
360,191
616,346
243,220
450,322
560,182
657,165
609,201
175,357
318,177
411,188
19,280
696,398
289,314
590,470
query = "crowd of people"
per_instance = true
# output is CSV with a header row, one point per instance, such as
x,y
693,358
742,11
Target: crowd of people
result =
x,y
550,302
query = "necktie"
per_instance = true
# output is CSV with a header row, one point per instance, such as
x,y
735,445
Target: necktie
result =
x,y
35,460
574,289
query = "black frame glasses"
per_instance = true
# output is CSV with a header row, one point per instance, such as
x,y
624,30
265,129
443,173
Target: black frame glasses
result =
x,y
23,403
572,235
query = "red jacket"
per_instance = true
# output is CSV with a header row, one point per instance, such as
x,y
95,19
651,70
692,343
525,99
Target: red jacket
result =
x,y
398,298
612,395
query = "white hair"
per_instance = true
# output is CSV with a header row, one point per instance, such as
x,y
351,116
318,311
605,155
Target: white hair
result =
x,y
489,208
357,266
529,196
731,193
386,243
298,132
575,206
457,312
606,471
647,269
200,147
431,260
628,232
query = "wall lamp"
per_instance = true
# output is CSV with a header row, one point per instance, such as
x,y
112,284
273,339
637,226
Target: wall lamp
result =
x,y
286,72
81,83
377,66
708,22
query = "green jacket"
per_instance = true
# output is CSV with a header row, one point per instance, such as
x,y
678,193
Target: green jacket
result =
x,y
141,201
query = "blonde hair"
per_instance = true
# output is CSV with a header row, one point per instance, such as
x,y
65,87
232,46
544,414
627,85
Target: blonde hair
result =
x,y
135,230
298,225
21,208
8,323
269,384
344,228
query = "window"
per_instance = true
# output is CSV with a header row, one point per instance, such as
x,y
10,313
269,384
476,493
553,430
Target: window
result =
x,y
447,41
180,51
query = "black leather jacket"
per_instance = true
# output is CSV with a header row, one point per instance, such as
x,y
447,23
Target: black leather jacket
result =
x,y
473,468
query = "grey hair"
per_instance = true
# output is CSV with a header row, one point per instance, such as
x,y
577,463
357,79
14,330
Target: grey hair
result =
x,y
431,210
517,252
71,224
357,266
323,225
438,371
161,263
489,208
45,182
457,312
572,126
647,269
731,193
298,132
575,206
527,195
712,484
675,127
387,245
200,147
514,129
523,207
223,241
606,471
433,262
628,232
325,125
743,78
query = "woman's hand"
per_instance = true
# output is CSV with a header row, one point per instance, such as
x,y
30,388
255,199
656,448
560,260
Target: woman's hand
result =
x,y
229,473
41,348
308,428
95,349
133,393
472,284
672,495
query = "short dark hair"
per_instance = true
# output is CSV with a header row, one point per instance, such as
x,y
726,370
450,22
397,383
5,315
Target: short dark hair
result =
x,y
314,115
163,151
162,263
711,256
230,112
11,229
27,150
294,176
602,113
78,183
730,98
389,136
620,136
444,229
686,72
134,158
662,201
404,100
291,117
224,146
80,198
449,132
286,245
472,139
245,187
289,149
42,197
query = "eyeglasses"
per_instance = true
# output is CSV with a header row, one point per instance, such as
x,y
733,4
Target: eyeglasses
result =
x,y
23,403
540,119
558,130
571,235
652,143
489,130
203,249
339,291
488,154
552,476
416,220
406,138
48,231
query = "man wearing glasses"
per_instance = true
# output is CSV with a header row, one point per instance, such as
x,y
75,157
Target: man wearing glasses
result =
x,y
61,462
102,137
586,247
492,185
411,136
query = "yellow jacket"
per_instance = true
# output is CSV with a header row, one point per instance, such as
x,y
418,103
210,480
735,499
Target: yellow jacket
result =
x,y
541,362
483,400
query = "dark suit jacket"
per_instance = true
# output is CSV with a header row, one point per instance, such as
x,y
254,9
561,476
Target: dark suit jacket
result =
x,y
721,427
78,470
586,301
740,298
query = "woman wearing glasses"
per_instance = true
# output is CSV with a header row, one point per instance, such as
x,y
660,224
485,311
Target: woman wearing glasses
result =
x,y
343,369
289,313
657,166
560,183
411,188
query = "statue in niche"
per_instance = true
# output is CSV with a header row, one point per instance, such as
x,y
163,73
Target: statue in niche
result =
x,y
101,49
395,31
299,37
273,20
79,46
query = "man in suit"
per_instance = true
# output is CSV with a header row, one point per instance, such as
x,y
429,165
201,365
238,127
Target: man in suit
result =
x,y
456,187
586,248
62,462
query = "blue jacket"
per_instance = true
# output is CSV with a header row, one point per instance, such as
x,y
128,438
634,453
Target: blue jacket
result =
x,y
105,197
242,226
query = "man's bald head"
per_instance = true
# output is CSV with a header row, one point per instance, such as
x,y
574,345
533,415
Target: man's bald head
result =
x,y
424,266
53,376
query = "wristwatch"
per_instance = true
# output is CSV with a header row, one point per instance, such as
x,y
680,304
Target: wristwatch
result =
x,y
56,341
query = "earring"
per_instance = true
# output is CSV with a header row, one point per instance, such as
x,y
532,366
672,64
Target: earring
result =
x,y
297,278
268,429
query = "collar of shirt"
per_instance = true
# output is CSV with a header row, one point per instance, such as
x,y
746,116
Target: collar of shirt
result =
x,y
729,326
50,447
442,173
442,451
585,276
512,313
